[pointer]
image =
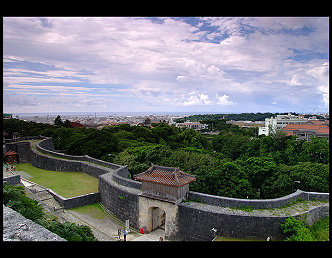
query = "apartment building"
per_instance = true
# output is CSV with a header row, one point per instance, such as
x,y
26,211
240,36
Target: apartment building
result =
x,y
274,123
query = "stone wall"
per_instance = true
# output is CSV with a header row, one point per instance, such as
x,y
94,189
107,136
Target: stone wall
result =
x,y
12,180
77,201
256,203
120,200
196,222
18,228
22,148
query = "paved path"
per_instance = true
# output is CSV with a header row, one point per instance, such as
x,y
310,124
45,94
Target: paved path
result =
x,y
152,236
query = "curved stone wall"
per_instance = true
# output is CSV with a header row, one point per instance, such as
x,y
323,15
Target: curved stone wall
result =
x,y
120,195
256,203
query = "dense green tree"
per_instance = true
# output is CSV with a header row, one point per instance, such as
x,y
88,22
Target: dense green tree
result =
x,y
317,150
258,169
231,145
58,121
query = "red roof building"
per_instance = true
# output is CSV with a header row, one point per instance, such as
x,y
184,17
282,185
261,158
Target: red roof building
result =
x,y
305,131
11,156
76,125
166,183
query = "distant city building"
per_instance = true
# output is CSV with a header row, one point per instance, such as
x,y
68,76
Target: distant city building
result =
x,y
7,116
76,125
246,124
147,122
272,124
192,125
305,131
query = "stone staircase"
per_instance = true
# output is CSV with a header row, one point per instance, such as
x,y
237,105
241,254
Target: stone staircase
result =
x,y
42,195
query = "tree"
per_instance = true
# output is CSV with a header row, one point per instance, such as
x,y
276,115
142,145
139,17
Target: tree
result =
x,y
258,170
229,179
67,124
230,144
317,150
58,121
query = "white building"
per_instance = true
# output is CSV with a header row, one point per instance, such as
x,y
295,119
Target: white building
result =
x,y
192,125
272,124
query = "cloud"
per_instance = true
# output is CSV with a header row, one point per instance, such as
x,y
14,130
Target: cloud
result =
x,y
224,100
295,81
196,98
182,60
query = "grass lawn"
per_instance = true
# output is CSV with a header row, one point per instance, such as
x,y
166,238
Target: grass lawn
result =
x,y
94,210
67,184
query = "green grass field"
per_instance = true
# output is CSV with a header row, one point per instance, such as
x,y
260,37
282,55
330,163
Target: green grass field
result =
x,y
67,184
94,210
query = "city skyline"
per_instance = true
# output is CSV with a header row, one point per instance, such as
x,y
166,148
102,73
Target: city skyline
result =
x,y
165,64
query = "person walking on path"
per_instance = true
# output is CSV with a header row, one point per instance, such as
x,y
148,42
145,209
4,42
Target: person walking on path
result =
x,y
124,235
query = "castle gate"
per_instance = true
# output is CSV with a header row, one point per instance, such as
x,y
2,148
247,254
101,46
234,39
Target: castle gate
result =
x,y
163,188
154,214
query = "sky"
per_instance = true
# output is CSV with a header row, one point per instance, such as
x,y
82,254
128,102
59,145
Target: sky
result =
x,y
165,64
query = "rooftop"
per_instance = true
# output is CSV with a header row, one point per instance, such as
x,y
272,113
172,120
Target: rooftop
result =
x,y
165,176
318,128
10,153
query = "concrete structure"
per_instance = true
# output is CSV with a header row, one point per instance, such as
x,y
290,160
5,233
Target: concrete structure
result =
x,y
191,219
246,124
274,123
305,131
192,125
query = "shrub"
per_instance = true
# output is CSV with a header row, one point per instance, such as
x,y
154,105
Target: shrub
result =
x,y
296,230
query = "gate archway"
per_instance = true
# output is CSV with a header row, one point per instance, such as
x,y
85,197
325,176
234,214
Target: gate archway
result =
x,y
157,218
154,214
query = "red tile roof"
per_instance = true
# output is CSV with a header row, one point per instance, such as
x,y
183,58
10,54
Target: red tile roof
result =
x,y
165,176
10,153
75,124
314,127
324,130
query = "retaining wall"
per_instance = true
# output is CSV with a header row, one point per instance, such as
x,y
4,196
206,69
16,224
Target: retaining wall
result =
x,y
12,180
77,201
256,203
196,223
120,200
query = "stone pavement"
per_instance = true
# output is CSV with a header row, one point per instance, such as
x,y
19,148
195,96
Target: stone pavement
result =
x,y
152,236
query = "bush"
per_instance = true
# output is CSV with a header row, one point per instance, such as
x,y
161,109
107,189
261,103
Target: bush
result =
x,y
71,231
296,230
14,197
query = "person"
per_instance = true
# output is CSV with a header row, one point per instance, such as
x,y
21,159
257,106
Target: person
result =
x,y
161,239
7,167
124,235
119,234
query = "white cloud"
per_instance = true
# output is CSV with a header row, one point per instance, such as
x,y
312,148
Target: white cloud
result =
x,y
224,100
295,81
170,61
196,98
